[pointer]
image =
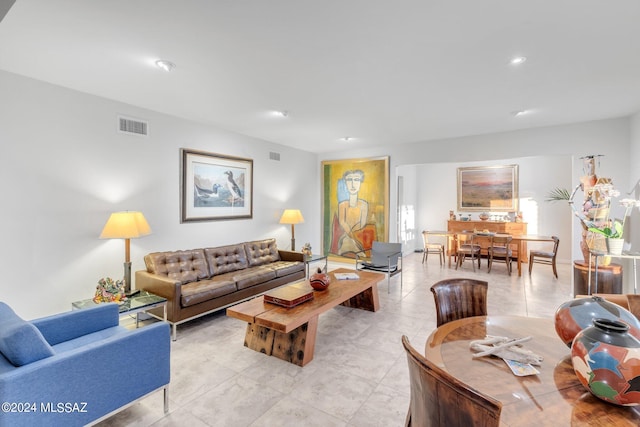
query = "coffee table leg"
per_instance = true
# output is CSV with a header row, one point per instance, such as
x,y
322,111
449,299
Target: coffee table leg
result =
x,y
296,346
365,300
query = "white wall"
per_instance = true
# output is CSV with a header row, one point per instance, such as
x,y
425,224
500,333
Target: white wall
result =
x,y
65,168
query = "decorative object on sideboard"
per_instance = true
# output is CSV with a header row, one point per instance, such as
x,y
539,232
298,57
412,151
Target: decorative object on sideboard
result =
x,y
577,314
293,217
452,216
484,216
126,225
605,358
319,281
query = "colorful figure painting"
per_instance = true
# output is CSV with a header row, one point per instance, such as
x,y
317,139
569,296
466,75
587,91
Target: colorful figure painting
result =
x,y
355,205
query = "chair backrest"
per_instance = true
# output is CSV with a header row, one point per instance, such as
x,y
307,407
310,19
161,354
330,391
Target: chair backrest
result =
x,y
381,251
439,399
465,239
556,243
425,238
458,298
500,240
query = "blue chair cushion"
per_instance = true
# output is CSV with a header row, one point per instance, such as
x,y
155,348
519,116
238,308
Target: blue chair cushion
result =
x,y
20,341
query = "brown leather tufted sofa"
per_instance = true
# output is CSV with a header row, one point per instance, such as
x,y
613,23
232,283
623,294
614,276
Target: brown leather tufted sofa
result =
x,y
200,281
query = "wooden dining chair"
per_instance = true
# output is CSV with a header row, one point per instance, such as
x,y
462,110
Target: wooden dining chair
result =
x,y
431,248
500,247
466,246
458,298
543,257
438,399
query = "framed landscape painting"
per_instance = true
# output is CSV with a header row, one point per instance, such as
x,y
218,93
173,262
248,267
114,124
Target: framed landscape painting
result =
x,y
355,205
215,186
488,188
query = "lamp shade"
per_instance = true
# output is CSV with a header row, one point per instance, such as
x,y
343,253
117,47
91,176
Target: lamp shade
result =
x,y
125,225
291,216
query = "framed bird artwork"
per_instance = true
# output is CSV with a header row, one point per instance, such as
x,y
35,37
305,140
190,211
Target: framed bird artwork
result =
x,y
215,186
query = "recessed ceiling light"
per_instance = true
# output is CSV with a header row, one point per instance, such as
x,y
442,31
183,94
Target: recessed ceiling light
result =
x,y
283,113
518,60
347,139
165,65
519,113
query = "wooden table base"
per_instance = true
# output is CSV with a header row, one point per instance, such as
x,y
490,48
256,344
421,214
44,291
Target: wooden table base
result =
x,y
290,333
296,346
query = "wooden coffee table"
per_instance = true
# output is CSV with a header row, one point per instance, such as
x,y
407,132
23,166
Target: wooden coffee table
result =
x,y
290,333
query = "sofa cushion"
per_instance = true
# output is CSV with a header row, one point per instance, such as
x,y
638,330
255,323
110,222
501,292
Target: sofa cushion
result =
x,y
205,290
262,252
225,259
253,276
182,266
284,268
21,342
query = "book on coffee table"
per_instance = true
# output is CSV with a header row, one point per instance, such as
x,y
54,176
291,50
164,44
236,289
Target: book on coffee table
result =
x,y
288,296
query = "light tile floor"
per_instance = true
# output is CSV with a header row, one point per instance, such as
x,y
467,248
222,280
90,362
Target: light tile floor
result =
x,y
359,374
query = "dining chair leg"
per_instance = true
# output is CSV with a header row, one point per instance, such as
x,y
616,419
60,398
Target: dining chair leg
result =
x,y
489,262
424,255
555,272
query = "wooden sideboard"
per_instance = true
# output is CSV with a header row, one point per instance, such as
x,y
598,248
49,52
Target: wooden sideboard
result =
x,y
513,228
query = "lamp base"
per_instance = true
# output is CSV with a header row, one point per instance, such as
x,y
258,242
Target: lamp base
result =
x,y
127,278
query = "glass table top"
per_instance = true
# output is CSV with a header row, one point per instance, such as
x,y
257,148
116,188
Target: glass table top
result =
x,y
139,301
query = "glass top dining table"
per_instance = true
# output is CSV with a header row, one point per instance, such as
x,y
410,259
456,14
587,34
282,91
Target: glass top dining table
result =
x,y
554,397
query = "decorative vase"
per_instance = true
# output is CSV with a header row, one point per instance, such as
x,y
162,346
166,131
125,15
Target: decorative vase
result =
x,y
614,246
484,216
319,280
606,359
577,314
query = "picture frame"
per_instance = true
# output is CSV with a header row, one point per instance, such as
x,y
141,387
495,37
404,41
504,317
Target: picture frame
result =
x,y
215,186
488,189
355,205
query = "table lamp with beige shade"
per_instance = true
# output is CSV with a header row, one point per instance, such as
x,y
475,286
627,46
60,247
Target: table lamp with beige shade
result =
x,y
292,216
126,225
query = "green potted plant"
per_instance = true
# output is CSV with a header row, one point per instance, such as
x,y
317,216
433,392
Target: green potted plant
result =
x,y
613,230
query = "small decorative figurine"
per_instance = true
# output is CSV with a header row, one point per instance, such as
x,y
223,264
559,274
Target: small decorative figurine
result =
x,y
306,249
109,290
452,216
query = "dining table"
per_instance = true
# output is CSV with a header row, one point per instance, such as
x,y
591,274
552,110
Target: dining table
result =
x,y
553,397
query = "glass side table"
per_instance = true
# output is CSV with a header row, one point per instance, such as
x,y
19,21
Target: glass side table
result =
x,y
136,304
308,259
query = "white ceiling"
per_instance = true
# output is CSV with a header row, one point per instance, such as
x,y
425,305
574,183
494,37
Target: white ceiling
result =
x,y
379,71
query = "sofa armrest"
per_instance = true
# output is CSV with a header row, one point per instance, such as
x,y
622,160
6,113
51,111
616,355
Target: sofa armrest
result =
x,y
158,285
162,286
96,379
291,255
76,323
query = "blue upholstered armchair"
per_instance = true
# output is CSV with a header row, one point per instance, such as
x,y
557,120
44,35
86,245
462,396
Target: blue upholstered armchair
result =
x,y
77,367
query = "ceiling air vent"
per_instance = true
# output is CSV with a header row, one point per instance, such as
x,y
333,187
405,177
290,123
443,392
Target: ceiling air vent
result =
x,y
133,126
274,156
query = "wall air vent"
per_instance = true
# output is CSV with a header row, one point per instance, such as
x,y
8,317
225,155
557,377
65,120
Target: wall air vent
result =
x,y
133,126
274,156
